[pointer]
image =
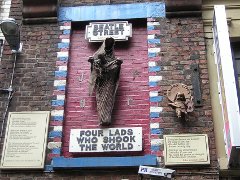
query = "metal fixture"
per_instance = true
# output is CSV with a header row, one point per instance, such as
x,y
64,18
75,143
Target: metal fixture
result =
x,y
11,32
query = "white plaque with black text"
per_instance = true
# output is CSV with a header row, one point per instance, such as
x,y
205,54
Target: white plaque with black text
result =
x,y
106,140
25,140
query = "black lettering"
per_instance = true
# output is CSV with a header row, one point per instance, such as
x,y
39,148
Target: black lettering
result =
x,y
88,133
80,140
111,139
130,132
125,139
130,146
94,132
110,133
118,146
106,27
110,32
105,32
132,139
123,132
94,147
81,146
94,140
87,139
118,139
111,26
117,133
105,146
82,133
88,147
95,30
105,139
100,29
112,146
100,133
123,147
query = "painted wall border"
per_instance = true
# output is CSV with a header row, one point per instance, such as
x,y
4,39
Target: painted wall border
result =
x,y
151,11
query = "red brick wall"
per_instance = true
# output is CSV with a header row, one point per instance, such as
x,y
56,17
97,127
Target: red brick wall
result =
x,y
132,101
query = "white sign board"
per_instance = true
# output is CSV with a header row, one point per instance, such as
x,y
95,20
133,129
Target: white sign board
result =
x,y
25,140
155,171
106,140
99,31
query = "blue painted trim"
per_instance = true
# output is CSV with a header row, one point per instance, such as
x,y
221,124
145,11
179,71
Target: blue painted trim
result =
x,y
48,168
154,115
60,73
154,41
57,118
155,148
153,84
53,134
156,99
154,68
113,11
63,45
56,151
157,131
84,162
150,27
63,58
57,102
153,54
61,88
66,31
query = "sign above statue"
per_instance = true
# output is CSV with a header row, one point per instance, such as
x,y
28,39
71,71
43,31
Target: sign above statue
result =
x,y
99,31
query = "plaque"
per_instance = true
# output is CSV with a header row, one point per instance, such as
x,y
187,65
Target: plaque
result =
x,y
106,140
25,140
99,31
186,149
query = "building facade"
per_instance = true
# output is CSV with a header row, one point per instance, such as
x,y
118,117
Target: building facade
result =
x,y
151,127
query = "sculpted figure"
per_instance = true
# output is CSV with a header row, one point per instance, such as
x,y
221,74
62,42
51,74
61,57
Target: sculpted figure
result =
x,y
105,71
181,99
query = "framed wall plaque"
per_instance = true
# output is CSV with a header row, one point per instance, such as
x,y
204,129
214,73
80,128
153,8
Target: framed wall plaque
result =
x,y
186,149
25,140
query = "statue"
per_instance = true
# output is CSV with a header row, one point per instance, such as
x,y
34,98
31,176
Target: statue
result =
x,y
181,99
105,72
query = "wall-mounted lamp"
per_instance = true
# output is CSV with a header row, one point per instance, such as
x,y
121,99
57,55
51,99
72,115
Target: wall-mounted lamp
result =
x,y
11,32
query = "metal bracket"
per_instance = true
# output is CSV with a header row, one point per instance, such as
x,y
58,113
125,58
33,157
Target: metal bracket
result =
x,y
197,94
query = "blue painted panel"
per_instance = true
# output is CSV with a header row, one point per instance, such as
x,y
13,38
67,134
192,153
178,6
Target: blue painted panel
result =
x,y
154,41
61,88
111,12
63,45
154,68
150,27
157,131
154,115
57,118
56,151
155,148
153,84
63,58
156,99
133,161
60,73
57,102
48,168
53,134
66,31
152,54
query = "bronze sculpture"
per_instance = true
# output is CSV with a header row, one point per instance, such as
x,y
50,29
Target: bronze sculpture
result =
x,y
181,99
105,72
